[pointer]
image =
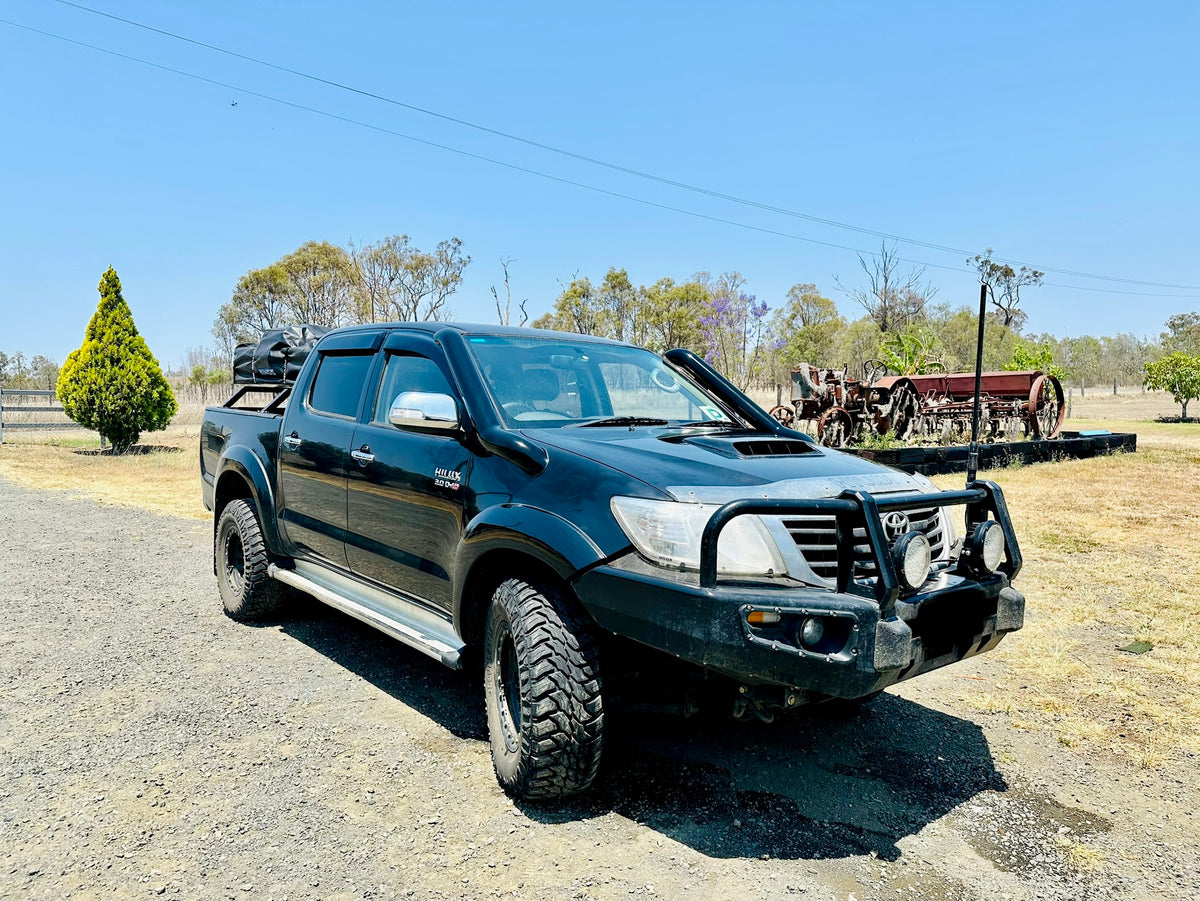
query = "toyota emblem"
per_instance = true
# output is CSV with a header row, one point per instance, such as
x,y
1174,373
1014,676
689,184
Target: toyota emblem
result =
x,y
895,524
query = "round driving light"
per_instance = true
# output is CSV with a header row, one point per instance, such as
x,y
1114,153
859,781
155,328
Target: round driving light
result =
x,y
913,557
811,631
987,546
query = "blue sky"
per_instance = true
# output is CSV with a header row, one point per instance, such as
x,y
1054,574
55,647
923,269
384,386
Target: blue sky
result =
x,y
1063,135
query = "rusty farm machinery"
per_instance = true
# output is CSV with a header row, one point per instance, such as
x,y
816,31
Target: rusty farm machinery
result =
x,y
920,409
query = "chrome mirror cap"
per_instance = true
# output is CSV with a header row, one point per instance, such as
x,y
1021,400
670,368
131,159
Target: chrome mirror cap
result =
x,y
423,409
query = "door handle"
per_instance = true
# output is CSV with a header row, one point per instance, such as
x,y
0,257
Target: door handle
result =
x,y
293,440
363,456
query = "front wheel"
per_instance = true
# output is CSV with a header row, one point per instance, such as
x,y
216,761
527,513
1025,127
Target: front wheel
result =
x,y
784,414
543,691
247,590
835,428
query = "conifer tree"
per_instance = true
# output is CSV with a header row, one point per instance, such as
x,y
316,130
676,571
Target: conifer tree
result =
x,y
112,383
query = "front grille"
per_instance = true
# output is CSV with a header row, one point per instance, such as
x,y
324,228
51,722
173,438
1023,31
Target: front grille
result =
x,y
816,539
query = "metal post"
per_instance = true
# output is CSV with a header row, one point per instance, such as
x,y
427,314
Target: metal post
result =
x,y
1,415
973,454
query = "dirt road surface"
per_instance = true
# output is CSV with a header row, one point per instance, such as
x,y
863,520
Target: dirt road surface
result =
x,y
151,747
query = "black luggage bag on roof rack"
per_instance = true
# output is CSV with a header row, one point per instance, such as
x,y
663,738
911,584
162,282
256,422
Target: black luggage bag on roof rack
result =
x,y
277,356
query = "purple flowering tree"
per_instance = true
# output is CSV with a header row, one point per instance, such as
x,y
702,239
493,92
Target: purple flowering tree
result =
x,y
735,336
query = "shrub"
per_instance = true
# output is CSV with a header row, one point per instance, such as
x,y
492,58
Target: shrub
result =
x,y
1035,356
872,440
1178,373
112,383
915,351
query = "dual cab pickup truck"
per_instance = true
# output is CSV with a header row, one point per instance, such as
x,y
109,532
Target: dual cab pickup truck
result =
x,y
585,516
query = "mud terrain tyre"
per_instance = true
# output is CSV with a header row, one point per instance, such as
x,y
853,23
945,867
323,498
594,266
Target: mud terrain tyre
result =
x,y
543,691
247,592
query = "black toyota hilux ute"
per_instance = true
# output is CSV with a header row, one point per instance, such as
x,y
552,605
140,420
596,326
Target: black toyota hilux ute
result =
x,y
587,518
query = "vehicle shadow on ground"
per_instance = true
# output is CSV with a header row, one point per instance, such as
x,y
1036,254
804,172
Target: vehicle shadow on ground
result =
x,y
815,785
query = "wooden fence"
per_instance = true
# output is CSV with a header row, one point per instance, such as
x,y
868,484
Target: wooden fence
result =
x,y
9,408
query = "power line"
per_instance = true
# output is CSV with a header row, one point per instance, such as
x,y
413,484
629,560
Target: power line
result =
x,y
466,153
637,173
514,167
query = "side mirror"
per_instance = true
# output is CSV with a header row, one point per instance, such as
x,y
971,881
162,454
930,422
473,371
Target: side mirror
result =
x,y
423,409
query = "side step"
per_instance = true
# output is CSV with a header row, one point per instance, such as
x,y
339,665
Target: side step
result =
x,y
405,620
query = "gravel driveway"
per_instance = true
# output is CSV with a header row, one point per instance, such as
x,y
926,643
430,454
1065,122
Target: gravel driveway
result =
x,y
150,746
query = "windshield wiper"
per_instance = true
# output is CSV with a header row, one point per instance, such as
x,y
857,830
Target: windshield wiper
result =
x,y
630,421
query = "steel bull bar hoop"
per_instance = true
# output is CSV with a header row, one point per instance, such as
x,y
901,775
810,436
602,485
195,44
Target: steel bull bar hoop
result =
x,y
853,509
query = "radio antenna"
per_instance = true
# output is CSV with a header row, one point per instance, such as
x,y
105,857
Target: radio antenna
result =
x,y
973,454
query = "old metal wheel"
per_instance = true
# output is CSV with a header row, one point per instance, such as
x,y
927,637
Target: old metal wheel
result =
x,y
873,370
1046,409
835,428
905,410
784,414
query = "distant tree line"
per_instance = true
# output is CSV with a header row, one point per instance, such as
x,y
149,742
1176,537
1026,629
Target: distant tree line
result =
x,y
710,315
902,326
37,373
754,344
324,284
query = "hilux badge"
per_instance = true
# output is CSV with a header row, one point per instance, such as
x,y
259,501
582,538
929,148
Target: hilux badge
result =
x,y
447,478
895,524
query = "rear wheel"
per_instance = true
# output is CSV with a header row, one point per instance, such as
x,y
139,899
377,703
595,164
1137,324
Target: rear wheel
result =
x,y
1046,410
247,591
543,691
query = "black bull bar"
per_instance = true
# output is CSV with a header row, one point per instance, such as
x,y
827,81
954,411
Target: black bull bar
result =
x,y
860,509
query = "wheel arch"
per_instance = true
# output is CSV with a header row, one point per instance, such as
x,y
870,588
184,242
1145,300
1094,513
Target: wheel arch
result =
x,y
241,476
491,569
508,541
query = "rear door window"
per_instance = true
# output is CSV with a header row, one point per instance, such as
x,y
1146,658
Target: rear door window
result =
x,y
339,384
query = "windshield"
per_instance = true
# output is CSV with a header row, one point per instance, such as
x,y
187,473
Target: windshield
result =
x,y
554,382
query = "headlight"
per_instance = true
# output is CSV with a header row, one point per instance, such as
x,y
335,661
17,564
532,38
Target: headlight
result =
x,y
668,533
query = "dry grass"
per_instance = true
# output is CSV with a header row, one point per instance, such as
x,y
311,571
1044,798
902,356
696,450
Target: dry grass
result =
x,y
1128,404
1110,558
1078,856
1109,544
164,480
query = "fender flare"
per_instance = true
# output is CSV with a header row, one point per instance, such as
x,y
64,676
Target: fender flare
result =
x,y
244,463
546,537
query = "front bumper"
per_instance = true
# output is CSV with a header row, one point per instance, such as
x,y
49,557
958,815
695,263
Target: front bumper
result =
x,y
954,619
874,634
